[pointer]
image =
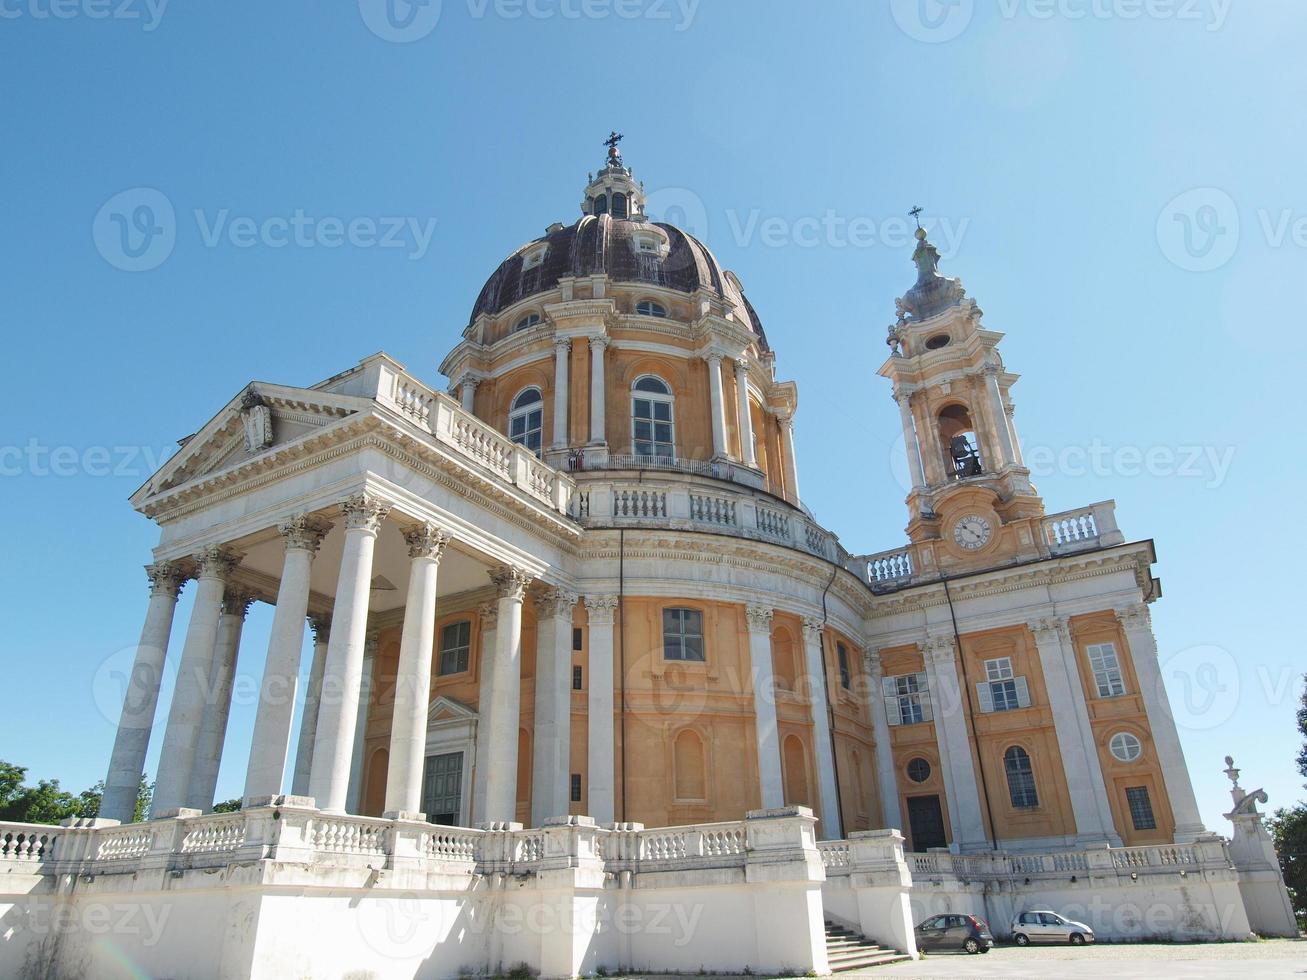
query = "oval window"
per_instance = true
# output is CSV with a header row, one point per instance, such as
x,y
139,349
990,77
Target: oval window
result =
x,y
1125,747
937,341
918,770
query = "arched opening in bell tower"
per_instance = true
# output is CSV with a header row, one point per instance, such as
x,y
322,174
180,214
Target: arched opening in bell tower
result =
x,y
957,435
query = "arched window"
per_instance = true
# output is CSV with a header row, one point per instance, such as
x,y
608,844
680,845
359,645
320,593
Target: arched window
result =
x,y
528,321
842,652
652,425
647,307
961,445
601,204
794,772
619,205
527,418
1020,778
691,778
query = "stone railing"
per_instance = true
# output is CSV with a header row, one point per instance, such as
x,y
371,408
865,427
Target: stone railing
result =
x,y
468,437
885,568
1079,530
938,865
629,847
680,501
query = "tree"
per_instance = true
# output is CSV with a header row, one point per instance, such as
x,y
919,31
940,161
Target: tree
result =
x,y
144,796
46,802
1289,828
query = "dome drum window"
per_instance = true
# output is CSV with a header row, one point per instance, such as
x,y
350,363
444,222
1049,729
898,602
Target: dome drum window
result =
x,y
526,419
647,307
653,427
527,322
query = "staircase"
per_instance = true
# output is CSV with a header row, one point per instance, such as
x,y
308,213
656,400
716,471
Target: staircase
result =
x,y
846,950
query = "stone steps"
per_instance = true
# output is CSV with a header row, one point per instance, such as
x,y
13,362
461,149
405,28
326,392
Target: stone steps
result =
x,y
846,951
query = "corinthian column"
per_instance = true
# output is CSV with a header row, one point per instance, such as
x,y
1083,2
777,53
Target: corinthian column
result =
x,y
213,730
467,389
186,713
886,776
601,764
552,745
333,743
486,622
747,451
408,729
321,626
598,413
562,355
786,424
270,744
815,666
910,443
127,761
771,785
716,405
954,742
505,695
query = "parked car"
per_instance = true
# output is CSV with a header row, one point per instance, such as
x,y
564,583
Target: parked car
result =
x,y
1049,927
955,931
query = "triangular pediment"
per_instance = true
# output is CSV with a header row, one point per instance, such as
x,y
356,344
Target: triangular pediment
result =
x,y
261,419
443,710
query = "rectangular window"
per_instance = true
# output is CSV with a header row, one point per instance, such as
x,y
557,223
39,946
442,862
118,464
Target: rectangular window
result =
x,y
843,655
683,634
455,642
1107,669
1002,690
906,700
576,787
1141,808
578,677
578,638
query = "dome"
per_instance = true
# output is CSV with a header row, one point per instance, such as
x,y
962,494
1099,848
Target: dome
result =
x,y
626,250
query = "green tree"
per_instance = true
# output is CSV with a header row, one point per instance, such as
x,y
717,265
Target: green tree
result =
x,y
46,802
1289,828
91,800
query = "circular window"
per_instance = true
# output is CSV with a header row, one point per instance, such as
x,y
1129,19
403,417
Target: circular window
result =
x,y
918,770
937,341
1125,747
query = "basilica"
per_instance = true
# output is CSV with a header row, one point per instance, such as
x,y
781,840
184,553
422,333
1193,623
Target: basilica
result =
x,y
573,638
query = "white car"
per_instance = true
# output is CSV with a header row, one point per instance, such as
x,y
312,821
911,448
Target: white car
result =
x,y
1049,927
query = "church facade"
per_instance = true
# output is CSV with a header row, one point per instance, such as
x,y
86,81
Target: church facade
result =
x,y
580,590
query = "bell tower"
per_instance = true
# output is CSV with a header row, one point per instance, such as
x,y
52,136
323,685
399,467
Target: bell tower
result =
x,y
971,502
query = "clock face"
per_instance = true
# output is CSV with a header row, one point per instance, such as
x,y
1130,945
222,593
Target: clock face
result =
x,y
972,532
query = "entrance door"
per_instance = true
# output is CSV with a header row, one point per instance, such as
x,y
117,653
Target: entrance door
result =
x,y
926,822
442,788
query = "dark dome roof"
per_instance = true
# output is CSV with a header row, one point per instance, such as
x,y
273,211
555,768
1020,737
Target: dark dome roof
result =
x,y
604,244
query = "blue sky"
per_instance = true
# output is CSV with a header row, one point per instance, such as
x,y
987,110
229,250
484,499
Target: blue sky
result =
x,y
1118,184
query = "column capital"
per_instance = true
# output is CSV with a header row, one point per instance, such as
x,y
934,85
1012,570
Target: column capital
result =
x,y
741,366
468,380
563,345
166,578
759,617
1134,616
785,421
601,609
875,669
488,615
599,341
216,562
556,604
304,532
1050,628
426,541
237,602
812,627
991,370
714,358
321,626
510,581
365,511
940,649
902,394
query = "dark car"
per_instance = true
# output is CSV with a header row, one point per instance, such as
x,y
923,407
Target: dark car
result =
x,y
956,931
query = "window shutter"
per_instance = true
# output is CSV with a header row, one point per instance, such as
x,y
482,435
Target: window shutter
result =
x,y
986,697
1023,692
924,697
892,710
887,688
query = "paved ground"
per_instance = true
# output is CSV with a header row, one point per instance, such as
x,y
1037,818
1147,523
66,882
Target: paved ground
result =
x,y
1273,958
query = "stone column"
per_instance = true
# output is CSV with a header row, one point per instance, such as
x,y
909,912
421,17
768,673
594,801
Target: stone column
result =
x,y
598,413
716,405
1137,624
886,772
998,417
213,729
771,784
910,443
1009,411
270,744
747,451
505,695
1075,736
467,389
408,728
338,711
487,619
552,749
127,761
321,626
562,356
186,714
786,423
831,825
953,740
601,764
357,753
